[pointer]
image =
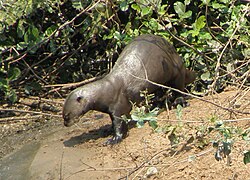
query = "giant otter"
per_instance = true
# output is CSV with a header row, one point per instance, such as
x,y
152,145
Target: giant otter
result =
x,y
146,57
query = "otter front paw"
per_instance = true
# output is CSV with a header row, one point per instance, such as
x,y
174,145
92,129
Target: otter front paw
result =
x,y
181,101
113,140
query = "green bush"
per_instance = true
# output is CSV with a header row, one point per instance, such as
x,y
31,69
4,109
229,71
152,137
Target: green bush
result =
x,y
51,42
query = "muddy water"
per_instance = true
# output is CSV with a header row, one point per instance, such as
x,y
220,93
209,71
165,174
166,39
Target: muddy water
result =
x,y
19,148
48,151
16,165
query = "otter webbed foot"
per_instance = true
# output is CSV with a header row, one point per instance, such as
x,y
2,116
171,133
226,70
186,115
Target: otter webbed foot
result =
x,y
114,140
120,131
181,101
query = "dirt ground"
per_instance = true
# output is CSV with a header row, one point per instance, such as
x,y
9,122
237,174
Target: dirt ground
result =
x,y
182,149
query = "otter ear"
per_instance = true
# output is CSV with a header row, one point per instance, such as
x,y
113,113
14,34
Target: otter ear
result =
x,y
79,98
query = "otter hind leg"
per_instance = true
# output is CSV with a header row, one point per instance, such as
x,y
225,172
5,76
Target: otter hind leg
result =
x,y
179,83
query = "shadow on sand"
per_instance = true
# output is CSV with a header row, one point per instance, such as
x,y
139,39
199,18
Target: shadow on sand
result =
x,y
95,134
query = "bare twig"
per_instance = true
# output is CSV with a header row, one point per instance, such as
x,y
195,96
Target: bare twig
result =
x,y
221,54
38,77
208,28
53,101
231,110
183,121
61,166
216,70
100,169
17,119
188,45
52,34
236,120
144,164
199,98
71,85
32,112
195,121
191,95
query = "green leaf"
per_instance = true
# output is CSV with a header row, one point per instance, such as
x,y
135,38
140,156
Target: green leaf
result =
x,y
194,32
187,14
179,111
52,46
200,22
14,73
218,123
216,5
4,84
101,8
140,124
50,30
185,33
200,93
124,6
135,117
77,4
136,7
27,89
32,35
20,29
246,158
155,111
117,35
10,20
29,6
206,76
35,32
12,96
162,10
109,36
246,52
153,24
246,135
179,8
148,117
198,25
225,1
187,2
145,11
206,2
227,147
205,36
21,45
153,124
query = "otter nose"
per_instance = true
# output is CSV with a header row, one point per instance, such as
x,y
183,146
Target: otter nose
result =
x,y
66,119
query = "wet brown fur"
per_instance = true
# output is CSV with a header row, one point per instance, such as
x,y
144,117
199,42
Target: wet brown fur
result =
x,y
146,57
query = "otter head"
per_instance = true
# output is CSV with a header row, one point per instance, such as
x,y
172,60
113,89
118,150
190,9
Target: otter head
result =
x,y
75,105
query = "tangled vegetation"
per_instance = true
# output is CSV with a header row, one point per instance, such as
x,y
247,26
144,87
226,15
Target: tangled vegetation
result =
x,y
48,43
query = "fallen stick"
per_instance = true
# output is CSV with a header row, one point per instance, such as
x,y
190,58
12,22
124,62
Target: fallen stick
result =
x,y
32,112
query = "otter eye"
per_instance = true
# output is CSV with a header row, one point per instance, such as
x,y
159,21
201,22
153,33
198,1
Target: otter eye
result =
x,y
79,99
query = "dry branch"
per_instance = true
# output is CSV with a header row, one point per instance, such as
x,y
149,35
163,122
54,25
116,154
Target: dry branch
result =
x,y
200,98
12,59
71,85
31,112
231,110
188,45
17,119
37,104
